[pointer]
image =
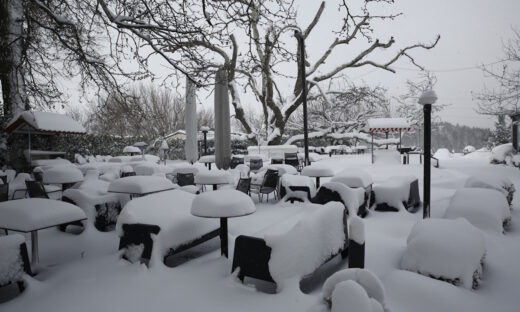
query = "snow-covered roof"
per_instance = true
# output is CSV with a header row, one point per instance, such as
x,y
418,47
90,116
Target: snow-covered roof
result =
x,y
44,122
387,124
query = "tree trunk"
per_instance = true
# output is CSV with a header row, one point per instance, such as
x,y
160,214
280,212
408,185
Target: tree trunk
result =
x,y
11,67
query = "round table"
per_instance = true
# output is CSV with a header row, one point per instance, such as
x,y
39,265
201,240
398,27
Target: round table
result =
x,y
317,172
215,178
64,175
207,160
222,204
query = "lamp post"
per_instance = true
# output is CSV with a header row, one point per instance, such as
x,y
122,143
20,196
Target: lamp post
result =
x,y
205,130
301,43
427,99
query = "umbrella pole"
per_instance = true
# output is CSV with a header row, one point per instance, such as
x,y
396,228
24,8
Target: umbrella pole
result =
x,y
30,156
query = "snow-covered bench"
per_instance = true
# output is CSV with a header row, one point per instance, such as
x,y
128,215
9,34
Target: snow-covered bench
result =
x,y
352,198
396,193
156,226
294,247
448,250
486,209
14,260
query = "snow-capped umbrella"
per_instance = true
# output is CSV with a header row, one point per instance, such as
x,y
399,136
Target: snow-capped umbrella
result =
x,y
222,121
190,120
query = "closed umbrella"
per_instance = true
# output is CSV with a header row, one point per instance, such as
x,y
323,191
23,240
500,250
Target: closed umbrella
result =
x,y
190,120
222,121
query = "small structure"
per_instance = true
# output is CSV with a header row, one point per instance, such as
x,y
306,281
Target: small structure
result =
x,y
131,150
44,123
387,125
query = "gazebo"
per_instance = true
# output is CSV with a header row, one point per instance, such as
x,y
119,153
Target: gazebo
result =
x,y
386,125
43,123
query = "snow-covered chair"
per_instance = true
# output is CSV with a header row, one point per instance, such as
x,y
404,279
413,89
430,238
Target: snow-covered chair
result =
x,y
396,193
487,209
352,198
269,185
355,178
448,250
295,247
14,260
296,187
154,227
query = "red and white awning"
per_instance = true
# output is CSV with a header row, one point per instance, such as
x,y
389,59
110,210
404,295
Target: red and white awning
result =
x,y
387,125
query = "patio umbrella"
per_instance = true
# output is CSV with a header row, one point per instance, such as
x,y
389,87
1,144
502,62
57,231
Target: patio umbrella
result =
x,y
222,121
190,120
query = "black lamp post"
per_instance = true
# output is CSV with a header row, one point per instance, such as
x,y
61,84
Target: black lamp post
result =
x,y
427,99
205,132
301,43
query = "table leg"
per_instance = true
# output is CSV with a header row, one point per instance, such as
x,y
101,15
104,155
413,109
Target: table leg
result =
x,y
214,187
223,237
34,248
317,182
209,166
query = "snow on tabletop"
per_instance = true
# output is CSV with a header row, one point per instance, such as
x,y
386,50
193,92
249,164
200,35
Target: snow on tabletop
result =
x,y
11,265
442,153
376,123
207,159
119,159
352,197
171,211
149,168
140,185
317,171
350,296
50,162
47,121
88,198
288,180
432,241
127,169
131,149
213,177
62,174
353,178
392,192
30,214
109,176
486,209
307,245
499,153
147,157
222,203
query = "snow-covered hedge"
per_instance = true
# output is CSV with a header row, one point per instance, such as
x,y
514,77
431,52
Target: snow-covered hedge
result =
x,y
449,250
486,209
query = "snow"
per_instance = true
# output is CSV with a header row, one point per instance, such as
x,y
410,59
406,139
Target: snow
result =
x,y
36,213
442,153
356,229
317,171
11,265
282,169
48,122
432,241
120,159
131,149
149,168
207,159
62,174
499,153
352,197
394,191
169,210
127,169
213,177
50,162
350,296
222,203
288,180
140,185
468,149
387,123
11,174
353,178
18,184
271,150
308,244
388,157
487,209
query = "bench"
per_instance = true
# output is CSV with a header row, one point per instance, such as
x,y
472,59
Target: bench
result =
x,y
264,256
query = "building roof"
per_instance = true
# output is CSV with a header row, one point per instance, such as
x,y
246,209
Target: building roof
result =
x,y
387,125
44,123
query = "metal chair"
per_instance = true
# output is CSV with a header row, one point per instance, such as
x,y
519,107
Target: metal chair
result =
x,y
255,164
244,185
185,179
35,189
293,160
235,161
269,185
3,178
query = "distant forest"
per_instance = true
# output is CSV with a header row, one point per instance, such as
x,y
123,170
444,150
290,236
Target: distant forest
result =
x,y
452,137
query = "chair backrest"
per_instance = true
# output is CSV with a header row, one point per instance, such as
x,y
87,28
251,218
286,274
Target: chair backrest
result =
x,y
127,174
291,159
185,179
235,161
256,163
244,184
4,179
38,176
35,189
270,178
4,192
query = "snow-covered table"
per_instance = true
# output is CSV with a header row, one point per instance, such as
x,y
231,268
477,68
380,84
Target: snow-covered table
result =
x,y
317,172
64,175
207,160
215,178
222,204
33,214
140,185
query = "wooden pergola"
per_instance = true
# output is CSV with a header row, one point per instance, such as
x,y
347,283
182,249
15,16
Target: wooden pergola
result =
x,y
387,125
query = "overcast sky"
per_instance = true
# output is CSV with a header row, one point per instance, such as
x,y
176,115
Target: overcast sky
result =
x,y
472,33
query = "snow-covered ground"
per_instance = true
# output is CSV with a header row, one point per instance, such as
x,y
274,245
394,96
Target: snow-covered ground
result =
x,y
84,273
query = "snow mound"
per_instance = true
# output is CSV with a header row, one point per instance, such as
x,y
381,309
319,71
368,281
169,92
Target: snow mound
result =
x,y
393,192
442,153
62,174
11,264
432,241
486,209
222,203
353,178
468,149
140,185
317,171
308,244
131,149
500,153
